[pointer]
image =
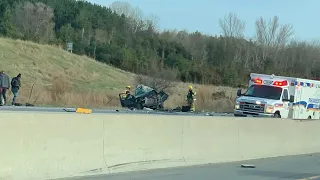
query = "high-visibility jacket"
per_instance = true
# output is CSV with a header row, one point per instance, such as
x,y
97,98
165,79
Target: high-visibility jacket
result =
x,y
125,94
191,96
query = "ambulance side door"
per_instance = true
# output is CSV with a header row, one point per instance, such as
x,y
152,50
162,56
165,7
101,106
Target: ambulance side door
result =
x,y
297,106
285,101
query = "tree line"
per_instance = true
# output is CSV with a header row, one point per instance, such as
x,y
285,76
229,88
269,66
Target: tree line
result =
x,y
121,36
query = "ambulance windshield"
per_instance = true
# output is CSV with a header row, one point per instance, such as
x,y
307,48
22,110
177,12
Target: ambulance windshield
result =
x,y
262,91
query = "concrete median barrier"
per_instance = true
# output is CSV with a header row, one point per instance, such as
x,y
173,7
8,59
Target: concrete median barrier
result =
x,y
276,137
235,139
46,145
135,142
50,145
210,140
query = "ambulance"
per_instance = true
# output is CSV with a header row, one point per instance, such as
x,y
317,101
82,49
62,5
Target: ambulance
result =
x,y
279,97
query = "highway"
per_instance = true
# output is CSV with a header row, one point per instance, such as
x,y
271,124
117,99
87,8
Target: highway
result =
x,y
302,167
118,111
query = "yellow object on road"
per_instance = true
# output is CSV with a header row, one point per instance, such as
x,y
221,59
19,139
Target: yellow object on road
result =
x,y
84,111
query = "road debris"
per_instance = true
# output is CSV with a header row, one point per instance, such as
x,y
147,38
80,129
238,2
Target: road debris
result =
x,y
248,166
78,110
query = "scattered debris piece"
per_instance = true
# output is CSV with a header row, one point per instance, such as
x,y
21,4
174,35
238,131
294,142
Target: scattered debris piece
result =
x,y
70,109
248,166
28,104
78,110
148,109
84,111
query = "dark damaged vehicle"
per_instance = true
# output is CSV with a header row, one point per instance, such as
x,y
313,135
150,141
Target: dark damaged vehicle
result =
x,y
144,97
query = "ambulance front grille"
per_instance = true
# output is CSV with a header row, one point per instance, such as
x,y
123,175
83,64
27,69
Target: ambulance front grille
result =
x,y
252,108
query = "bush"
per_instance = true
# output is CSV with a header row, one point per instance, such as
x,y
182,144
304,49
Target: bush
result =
x,y
159,77
58,89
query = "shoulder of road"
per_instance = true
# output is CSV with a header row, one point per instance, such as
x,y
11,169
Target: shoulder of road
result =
x,y
301,167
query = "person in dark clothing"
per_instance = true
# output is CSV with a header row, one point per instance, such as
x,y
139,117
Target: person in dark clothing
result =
x,y
15,87
4,86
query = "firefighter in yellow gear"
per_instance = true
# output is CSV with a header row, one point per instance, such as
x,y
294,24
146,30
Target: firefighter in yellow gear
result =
x,y
191,98
126,92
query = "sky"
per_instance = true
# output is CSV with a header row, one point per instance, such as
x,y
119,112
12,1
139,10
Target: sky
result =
x,y
204,15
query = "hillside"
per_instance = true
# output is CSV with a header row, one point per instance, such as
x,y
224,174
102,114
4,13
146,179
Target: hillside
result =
x,y
65,79
122,36
51,68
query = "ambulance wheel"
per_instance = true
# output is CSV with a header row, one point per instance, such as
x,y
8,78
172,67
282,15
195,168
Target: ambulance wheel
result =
x,y
277,115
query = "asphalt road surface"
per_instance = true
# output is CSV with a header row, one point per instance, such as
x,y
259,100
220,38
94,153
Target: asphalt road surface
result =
x,y
302,167
119,111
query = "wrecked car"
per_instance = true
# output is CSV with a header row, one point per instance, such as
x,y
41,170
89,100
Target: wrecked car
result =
x,y
144,97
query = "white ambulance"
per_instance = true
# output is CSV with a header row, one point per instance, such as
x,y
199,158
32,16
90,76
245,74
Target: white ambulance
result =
x,y
279,97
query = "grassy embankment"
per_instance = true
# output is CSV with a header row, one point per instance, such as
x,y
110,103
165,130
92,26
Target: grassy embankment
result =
x,y
64,79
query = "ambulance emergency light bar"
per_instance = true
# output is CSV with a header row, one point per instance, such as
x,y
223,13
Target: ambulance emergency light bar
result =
x,y
275,83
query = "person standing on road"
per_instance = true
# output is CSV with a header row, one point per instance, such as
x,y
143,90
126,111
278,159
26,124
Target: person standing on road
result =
x,y
15,87
4,86
191,98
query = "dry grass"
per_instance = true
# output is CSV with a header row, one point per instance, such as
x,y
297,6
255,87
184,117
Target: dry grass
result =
x,y
49,97
64,79
209,98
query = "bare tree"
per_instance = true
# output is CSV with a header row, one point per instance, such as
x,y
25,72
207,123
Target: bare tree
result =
x,y
169,35
158,77
272,36
232,26
124,8
272,33
183,38
152,21
34,21
133,14
100,37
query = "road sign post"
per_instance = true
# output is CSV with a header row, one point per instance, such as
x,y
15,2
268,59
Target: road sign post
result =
x,y
70,46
